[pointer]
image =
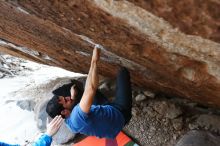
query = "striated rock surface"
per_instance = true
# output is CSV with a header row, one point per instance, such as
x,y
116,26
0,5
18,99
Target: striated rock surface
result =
x,y
140,35
194,17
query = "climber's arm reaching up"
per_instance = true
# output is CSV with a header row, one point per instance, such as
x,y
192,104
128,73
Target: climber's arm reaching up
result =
x,y
91,83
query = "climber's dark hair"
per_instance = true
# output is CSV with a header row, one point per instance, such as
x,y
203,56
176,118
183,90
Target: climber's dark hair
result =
x,y
54,108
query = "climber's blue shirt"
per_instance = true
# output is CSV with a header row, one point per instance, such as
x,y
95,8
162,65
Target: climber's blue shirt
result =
x,y
102,121
44,140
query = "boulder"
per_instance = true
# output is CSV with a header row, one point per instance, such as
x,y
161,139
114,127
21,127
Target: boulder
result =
x,y
199,138
211,122
168,110
168,46
26,104
41,114
140,97
149,94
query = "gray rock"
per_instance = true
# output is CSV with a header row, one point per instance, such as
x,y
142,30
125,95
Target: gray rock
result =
x,y
175,136
104,86
26,104
169,110
150,112
211,122
9,101
140,97
177,123
134,112
199,138
192,126
149,94
1,75
41,114
145,109
107,87
134,94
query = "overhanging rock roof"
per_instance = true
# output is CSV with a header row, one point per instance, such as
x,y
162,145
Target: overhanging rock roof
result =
x,y
168,46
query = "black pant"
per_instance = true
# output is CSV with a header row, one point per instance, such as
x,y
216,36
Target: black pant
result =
x,y
123,100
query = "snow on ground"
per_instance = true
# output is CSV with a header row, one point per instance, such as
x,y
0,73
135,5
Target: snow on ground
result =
x,y
17,125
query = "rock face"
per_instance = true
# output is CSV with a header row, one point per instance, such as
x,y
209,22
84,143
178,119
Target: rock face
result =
x,y
159,56
209,122
198,138
169,110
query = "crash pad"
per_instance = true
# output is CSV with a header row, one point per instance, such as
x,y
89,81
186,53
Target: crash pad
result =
x,y
121,140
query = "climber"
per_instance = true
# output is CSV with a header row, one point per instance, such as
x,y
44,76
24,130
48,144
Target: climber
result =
x,y
98,120
46,138
70,93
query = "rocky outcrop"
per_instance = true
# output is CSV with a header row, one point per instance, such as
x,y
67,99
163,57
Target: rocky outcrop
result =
x,y
159,56
198,138
194,17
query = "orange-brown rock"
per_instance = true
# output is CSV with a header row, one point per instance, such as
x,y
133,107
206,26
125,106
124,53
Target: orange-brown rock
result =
x,y
158,55
194,17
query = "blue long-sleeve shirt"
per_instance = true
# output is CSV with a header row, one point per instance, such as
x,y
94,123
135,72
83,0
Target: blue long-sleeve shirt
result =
x,y
102,121
44,140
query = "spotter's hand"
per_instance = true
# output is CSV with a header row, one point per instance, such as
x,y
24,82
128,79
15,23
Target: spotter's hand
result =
x,y
54,125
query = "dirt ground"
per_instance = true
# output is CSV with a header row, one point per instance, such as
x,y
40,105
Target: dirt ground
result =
x,y
162,121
